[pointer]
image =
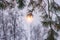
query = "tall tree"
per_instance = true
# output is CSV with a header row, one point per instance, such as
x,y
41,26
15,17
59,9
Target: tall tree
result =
x,y
52,7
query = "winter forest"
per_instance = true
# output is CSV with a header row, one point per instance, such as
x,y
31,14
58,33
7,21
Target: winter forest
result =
x,y
29,19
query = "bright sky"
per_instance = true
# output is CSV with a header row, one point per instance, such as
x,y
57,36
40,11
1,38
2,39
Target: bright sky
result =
x,y
28,21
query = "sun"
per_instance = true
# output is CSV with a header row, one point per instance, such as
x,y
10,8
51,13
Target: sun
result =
x,y
29,17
